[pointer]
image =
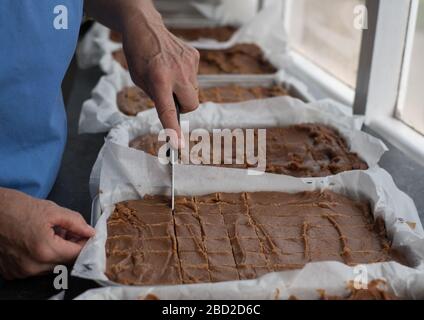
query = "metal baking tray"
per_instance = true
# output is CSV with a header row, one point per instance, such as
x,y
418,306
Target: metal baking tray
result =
x,y
96,211
195,22
178,9
252,81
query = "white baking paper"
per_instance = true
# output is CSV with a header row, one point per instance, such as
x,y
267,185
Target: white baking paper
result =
x,y
130,175
101,113
328,276
94,45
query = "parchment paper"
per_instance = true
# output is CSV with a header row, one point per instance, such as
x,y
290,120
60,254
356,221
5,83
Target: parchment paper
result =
x,y
404,282
128,174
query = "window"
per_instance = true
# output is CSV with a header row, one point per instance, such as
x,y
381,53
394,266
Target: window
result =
x,y
323,32
411,106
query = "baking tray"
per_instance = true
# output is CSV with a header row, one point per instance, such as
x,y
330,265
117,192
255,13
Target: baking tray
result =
x,y
96,211
295,90
178,9
333,184
194,22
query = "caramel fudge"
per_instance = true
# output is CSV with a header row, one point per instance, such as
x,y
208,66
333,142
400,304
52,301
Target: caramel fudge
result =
x,y
239,59
132,100
234,93
304,150
223,237
221,34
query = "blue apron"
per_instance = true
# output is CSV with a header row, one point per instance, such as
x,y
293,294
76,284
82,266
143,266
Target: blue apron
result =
x,y
37,41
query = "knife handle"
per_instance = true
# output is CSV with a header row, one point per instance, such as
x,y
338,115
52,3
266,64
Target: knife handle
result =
x,y
177,106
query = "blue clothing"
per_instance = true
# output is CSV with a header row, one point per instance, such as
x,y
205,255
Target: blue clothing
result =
x,y
35,52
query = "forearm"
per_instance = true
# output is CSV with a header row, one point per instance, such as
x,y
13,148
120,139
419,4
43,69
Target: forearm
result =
x,y
119,14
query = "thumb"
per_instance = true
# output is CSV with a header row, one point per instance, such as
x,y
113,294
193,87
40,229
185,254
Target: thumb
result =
x,y
73,222
65,251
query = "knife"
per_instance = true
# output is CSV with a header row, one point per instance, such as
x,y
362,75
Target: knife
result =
x,y
173,158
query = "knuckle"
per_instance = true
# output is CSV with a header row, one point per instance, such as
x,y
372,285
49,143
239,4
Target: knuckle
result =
x,y
158,77
196,54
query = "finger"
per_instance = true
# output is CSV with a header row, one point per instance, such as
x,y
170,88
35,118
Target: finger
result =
x,y
73,222
60,231
188,97
165,106
64,251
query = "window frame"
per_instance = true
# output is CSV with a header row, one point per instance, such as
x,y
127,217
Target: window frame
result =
x,y
386,49
321,84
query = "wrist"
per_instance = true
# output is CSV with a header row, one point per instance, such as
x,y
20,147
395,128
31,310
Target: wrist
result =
x,y
141,14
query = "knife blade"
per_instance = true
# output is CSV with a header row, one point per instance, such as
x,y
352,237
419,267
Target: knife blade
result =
x,y
173,158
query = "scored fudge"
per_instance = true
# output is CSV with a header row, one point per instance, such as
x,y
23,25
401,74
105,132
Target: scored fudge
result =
x,y
304,150
246,58
239,59
223,237
132,100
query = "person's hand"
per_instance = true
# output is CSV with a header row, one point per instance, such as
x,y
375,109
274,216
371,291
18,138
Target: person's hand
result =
x,y
36,235
162,65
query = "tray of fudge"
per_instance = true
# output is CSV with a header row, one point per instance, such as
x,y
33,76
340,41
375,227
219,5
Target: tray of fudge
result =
x,y
241,59
224,50
269,241
116,99
301,140
101,40
322,206
190,33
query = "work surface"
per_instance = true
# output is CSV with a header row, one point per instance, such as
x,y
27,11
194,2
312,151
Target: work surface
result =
x,y
71,188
